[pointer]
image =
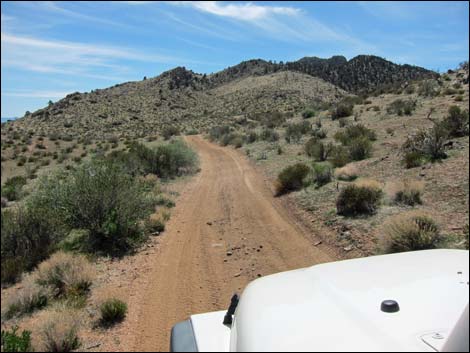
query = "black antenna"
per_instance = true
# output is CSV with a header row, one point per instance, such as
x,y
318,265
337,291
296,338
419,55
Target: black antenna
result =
x,y
231,309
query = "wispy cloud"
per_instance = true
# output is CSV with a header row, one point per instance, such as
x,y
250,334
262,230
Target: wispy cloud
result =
x,y
52,6
239,11
72,58
283,23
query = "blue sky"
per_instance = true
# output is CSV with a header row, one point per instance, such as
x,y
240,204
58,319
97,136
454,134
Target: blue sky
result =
x,y
50,49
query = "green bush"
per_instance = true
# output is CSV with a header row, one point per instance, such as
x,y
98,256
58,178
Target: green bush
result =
x,y
322,174
411,231
360,148
294,132
100,197
269,135
413,159
12,189
427,143
216,132
340,156
355,200
291,178
402,107
308,114
112,311
167,160
28,235
13,342
429,88
342,110
457,122
318,150
170,131
252,137
353,132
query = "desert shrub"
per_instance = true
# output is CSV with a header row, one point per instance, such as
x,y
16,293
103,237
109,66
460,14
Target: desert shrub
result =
x,y
342,110
457,122
233,139
318,150
28,235
269,135
216,132
347,173
155,225
340,156
100,197
429,88
291,178
66,274
270,119
352,132
319,133
252,137
170,131
12,342
29,298
59,331
74,240
175,159
295,131
360,198
410,89
413,159
342,122
429,144
402,107
406,192
308,113
411,231
12,189
112,311
322,173
167,160
360,148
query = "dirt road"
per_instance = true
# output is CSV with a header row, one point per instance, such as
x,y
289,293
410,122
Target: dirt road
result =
x,y
225,231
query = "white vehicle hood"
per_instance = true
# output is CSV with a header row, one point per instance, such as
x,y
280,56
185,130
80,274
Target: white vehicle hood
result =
x,y
337,306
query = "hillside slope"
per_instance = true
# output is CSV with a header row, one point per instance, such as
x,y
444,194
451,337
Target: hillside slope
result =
x,y
190,101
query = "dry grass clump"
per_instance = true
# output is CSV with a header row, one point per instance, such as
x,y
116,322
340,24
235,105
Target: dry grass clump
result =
x,y
29,298
59,331
406,192
66,274
347,173
368,183
414,230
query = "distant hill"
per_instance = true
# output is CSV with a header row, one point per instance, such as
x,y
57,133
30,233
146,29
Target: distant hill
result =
x,y
196,101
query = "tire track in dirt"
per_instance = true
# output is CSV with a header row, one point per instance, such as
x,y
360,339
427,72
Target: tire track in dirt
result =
x,y
226,209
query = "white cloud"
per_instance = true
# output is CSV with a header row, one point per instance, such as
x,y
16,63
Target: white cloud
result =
x,y
72,58
245,12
